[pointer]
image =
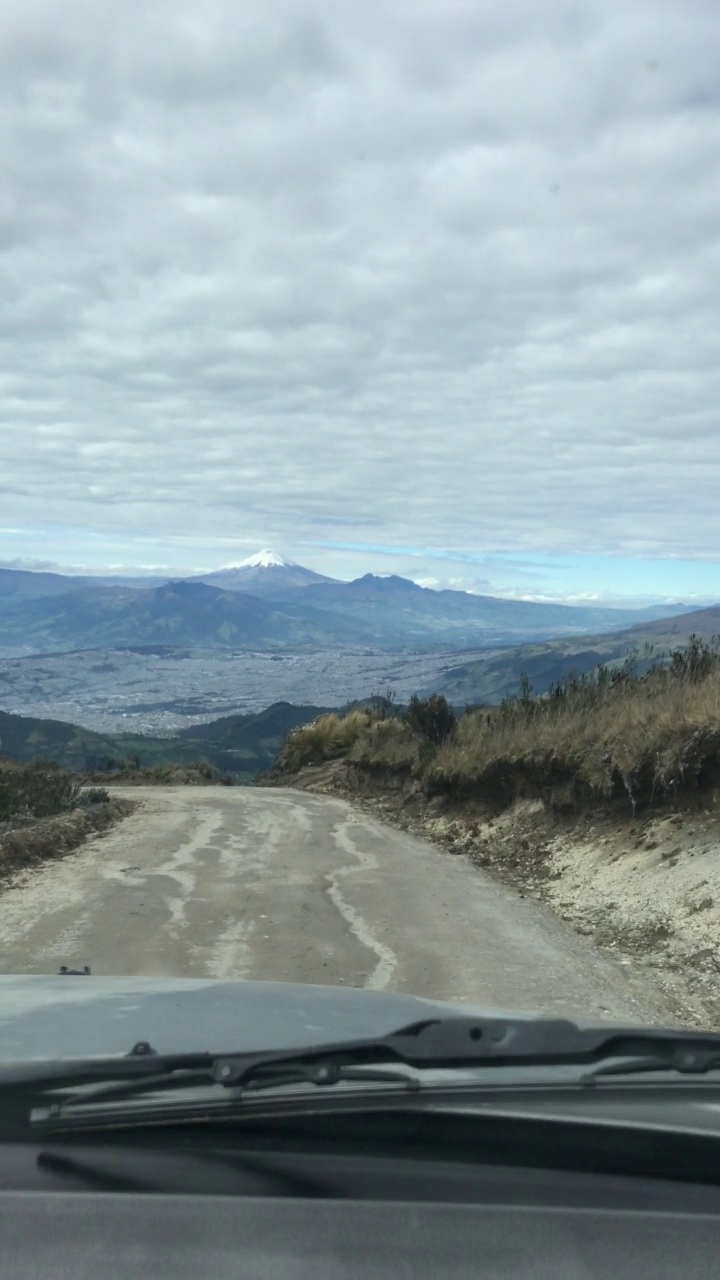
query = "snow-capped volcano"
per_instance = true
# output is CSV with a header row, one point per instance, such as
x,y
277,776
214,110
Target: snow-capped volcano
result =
x,y
265,574
261,560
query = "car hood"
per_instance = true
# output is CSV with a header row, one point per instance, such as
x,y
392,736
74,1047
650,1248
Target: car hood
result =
x,y
75,1017
86,1016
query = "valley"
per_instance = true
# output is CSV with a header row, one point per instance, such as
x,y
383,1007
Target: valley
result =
x,y
152,657
220,670
160,691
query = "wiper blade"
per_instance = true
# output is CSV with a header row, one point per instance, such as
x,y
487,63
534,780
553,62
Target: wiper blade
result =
x,y
433,1044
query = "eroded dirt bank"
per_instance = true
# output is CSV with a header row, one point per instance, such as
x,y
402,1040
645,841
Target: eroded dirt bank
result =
x,y
41,840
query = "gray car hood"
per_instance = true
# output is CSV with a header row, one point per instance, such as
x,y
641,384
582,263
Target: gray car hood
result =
x,y
76,1017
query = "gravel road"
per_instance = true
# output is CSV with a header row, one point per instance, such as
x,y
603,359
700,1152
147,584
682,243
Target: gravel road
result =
x,y
278,884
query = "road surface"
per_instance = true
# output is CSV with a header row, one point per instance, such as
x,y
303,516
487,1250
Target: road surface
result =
x,y
279,884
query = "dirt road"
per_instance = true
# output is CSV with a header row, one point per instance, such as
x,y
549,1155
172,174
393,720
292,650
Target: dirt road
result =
x,y
236,883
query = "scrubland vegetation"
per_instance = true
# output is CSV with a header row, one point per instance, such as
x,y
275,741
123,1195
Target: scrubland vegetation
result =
x,y
45,813
643,732
132,772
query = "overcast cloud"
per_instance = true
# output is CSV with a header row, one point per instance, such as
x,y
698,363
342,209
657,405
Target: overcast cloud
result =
x,y
421,273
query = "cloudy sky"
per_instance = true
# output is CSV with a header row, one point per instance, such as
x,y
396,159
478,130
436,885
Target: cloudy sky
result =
x,y
429,286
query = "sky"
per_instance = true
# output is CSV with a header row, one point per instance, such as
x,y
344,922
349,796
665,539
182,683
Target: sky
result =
x,y
416,286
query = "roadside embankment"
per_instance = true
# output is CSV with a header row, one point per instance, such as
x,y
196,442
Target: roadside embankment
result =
x,y
603,800
46,838
47,811
645,891
44,813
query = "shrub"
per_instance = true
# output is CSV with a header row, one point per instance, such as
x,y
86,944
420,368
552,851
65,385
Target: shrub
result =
x,y
382,705
92,796
39,790
387,746
431,718
695,663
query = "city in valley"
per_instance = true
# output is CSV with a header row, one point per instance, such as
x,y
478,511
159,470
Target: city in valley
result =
x,y
120,691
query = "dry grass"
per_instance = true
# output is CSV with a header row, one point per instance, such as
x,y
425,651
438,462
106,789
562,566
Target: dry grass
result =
x,y
327,738
48,838
642,738
201,774
387,746
44,813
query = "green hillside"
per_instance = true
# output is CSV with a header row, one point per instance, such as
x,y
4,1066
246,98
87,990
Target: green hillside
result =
x,y
240,745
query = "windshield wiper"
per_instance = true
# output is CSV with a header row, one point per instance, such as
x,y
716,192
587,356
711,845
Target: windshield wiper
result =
x,y
434,1044
464,1042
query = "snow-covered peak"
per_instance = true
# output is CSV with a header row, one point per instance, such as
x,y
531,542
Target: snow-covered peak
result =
x,y
262,560
265,560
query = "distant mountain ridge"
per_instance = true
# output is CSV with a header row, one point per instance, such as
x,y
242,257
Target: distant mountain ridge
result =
x,y
487,680
36,583
183,614
423,611
267,603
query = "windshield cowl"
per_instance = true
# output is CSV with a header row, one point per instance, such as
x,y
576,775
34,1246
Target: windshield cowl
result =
x,y
442,1054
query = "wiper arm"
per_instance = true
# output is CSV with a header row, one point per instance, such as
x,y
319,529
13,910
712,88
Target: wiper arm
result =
x,y
438,1043
270,1075
464,1042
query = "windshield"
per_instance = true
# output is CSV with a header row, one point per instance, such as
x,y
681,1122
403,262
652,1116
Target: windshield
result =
x,y
359,590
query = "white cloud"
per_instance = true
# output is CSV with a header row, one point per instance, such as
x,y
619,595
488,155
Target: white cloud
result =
x,y
421,272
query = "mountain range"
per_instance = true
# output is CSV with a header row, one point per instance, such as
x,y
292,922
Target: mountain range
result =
x,y
266,603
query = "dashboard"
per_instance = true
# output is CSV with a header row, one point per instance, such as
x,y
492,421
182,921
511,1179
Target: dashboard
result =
x,y
89,1237
90,1211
